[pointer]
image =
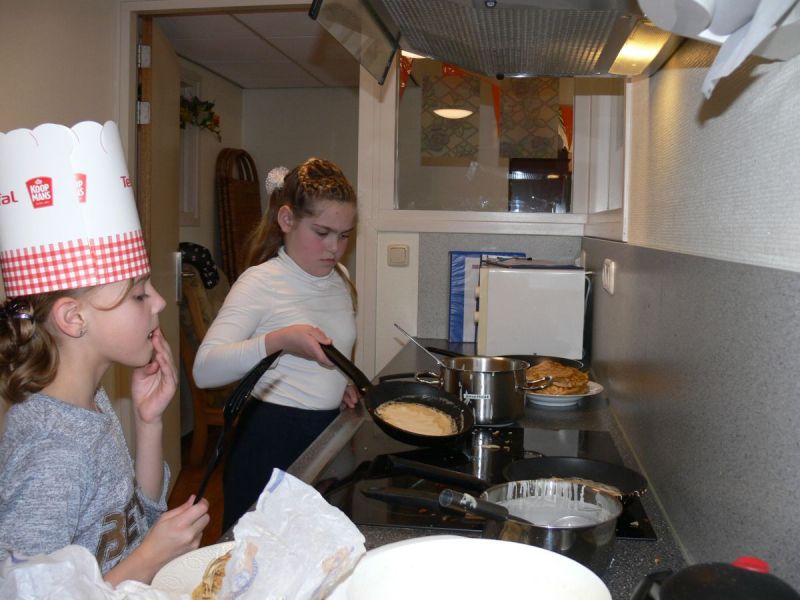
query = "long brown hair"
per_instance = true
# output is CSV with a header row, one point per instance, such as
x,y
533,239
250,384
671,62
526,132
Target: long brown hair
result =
x,y
315,179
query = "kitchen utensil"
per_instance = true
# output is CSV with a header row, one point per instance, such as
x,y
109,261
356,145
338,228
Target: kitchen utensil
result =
x,y
493,385
468,503
434,567
423,348
587,536
746,578
233,408
406,391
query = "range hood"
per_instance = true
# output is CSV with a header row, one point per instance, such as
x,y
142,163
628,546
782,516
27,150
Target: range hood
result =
x,y
507,38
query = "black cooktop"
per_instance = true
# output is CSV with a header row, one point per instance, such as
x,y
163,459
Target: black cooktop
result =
x,y
365,463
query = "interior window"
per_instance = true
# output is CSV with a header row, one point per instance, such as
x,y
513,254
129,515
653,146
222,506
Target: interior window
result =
x,y
472,143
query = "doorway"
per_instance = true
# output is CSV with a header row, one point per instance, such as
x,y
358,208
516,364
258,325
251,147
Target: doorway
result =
x,y
196,208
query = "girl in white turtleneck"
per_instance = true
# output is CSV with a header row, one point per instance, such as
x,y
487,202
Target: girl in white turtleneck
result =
x,y
294,297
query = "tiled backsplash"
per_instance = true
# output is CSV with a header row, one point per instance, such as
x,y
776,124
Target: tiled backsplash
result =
x,y
700,362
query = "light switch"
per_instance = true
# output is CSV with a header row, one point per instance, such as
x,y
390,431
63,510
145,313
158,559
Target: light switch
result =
x,y
609,274
397,255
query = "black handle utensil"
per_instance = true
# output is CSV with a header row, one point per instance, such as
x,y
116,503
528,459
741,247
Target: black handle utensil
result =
x,y
233,408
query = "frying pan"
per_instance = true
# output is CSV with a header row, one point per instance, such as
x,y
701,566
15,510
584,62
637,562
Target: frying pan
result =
x,y
406,391
532,359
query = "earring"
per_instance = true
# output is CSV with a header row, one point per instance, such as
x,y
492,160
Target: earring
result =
x,y
82,332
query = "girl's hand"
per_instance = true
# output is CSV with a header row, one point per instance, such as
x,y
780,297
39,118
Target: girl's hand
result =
x,y
351,396
301,340
154,385
176,532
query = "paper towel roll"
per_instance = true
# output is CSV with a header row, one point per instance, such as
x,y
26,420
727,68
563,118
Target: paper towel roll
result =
x,y
683,17
730,15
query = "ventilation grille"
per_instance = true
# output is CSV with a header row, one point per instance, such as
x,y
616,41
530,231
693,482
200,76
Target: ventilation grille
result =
x,y
509,40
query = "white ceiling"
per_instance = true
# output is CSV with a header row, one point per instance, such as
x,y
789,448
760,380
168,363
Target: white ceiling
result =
x,y
273,49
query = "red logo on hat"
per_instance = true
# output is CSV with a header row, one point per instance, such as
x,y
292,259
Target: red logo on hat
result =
x,y
80,184
40,189
126,181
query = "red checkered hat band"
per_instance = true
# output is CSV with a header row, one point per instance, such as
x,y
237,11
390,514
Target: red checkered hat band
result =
x,y
74,264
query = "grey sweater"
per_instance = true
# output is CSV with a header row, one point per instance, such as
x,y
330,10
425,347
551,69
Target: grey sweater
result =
x,y
66,477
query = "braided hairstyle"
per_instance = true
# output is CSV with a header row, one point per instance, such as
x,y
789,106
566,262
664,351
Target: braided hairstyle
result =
x,y
28,353
315,179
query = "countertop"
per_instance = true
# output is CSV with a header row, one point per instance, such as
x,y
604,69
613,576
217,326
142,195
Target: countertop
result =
x,y
633,559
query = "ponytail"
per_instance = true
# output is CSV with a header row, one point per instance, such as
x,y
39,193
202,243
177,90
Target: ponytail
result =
x,y
315,179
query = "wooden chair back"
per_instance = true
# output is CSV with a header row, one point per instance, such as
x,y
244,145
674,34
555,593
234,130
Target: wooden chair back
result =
x,y
198,309
238,206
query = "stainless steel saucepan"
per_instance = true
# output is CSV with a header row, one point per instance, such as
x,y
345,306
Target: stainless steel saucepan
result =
x,y
495,386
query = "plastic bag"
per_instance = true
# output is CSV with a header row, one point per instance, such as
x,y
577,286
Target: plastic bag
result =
x,y
293,545
70,573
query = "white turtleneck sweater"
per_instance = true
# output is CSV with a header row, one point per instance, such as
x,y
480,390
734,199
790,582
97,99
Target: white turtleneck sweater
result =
x,y
267,297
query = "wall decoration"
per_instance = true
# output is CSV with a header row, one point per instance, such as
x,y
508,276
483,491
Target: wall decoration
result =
x,y
449,141
200,113
530,118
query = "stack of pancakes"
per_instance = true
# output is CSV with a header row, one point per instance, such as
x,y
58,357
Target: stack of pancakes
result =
x,y
566,380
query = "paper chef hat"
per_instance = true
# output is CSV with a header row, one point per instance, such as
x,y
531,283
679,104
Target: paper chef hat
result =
x,y
67,213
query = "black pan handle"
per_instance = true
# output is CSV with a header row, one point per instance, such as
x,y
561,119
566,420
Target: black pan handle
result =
x,y
470,504
413,498
442,351
447,476
394,376
347,367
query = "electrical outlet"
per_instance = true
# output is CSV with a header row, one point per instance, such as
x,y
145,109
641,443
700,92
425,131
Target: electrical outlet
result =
x,y
609,274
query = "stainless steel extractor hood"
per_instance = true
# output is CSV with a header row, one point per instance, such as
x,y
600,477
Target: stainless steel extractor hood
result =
x,y
506,38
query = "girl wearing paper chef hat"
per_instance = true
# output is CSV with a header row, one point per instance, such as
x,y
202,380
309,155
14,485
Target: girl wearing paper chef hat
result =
x,y
76,274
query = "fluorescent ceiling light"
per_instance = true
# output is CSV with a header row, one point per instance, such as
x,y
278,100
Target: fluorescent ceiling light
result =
x,y
642,46
409,54
452,113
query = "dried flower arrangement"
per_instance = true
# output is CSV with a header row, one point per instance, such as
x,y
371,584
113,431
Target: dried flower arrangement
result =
x,y
201,114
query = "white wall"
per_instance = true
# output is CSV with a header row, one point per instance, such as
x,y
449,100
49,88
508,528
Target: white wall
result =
x,y
397,290
58,61
719,178
287,126
228,105
47,76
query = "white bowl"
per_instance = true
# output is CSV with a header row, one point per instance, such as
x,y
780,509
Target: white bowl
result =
x,y
445,566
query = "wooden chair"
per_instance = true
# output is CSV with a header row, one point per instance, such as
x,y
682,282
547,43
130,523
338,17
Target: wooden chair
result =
x,y
198,309
238,206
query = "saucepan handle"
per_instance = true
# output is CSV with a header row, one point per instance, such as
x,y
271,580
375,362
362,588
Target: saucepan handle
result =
x,y
446,476
428,377
443,352
403,497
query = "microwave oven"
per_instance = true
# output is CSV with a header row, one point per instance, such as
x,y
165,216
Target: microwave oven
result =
x,y
531,310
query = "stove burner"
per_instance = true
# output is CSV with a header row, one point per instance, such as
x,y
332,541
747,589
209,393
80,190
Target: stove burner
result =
x,y
483,454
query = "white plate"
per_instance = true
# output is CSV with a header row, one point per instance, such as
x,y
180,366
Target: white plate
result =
x,y
181,575
443,566
568,400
